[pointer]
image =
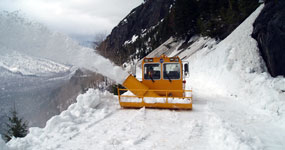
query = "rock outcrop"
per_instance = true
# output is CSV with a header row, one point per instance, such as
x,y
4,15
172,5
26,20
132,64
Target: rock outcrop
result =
x,y
155,21
143,17
269,31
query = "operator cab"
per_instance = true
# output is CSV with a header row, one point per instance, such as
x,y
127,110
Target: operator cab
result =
x,y
163,73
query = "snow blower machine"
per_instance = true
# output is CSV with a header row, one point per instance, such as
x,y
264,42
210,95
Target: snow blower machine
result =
x,y
162,86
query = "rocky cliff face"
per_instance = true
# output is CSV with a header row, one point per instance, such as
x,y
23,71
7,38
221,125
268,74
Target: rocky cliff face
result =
x,y
155,21
143,17
269,31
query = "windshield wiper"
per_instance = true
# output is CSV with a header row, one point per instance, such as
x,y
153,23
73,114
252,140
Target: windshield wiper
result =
x,y
151,77
167,76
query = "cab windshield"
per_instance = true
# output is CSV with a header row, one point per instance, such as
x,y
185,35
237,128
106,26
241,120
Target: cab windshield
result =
x,y
171,71
152,71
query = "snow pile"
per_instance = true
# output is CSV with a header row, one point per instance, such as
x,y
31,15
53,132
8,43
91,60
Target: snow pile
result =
x,y
26,65
235,68
77,118
90,99
33,39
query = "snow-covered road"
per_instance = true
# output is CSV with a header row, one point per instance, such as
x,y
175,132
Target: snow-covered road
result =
x,y
146,129
241,126
214,123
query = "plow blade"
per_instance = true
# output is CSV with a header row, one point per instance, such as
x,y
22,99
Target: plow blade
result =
x,y
155,105
142,96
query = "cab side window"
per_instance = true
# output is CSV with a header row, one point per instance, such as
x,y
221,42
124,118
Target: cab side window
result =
x,y
171,71
152,71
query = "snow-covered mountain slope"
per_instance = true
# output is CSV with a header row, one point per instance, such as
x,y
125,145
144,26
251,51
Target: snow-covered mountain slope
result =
x,y
36,66
35,69
30,38
236,106
235,68
26,65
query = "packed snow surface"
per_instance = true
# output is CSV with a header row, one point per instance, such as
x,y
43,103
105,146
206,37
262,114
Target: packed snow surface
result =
x,y
32,39
236,106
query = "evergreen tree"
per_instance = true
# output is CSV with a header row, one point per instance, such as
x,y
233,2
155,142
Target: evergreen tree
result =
x,y
16,126
185,13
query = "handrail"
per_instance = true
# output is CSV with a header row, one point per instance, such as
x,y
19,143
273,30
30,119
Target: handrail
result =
x,y
160,96
165,101
167,95
155,90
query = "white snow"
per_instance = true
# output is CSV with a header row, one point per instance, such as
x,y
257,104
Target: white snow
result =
x,y
151,100
26,65
130,97
77,118
33,39
134,38
179,100
154,100
235,68
2,144
236,105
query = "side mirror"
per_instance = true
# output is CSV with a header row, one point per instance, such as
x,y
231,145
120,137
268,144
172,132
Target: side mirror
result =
x,y
186,69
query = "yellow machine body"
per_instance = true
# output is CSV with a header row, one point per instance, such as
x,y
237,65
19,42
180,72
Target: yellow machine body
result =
x,y
162,83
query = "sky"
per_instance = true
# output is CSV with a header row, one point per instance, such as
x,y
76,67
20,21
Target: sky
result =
x,y
81,19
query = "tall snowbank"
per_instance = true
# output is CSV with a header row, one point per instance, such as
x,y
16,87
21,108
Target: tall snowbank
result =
x,y
33,39
235,68
93,105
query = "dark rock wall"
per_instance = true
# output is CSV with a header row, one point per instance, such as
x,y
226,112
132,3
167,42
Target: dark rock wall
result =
x,y
269,31
155,21
142,17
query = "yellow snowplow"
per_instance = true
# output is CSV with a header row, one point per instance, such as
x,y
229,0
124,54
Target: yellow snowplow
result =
x,y
162,86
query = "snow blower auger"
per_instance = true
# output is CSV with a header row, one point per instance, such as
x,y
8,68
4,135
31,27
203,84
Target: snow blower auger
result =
x,y
162,86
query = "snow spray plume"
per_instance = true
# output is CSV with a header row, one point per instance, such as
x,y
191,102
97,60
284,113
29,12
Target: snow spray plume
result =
x,y
30,38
